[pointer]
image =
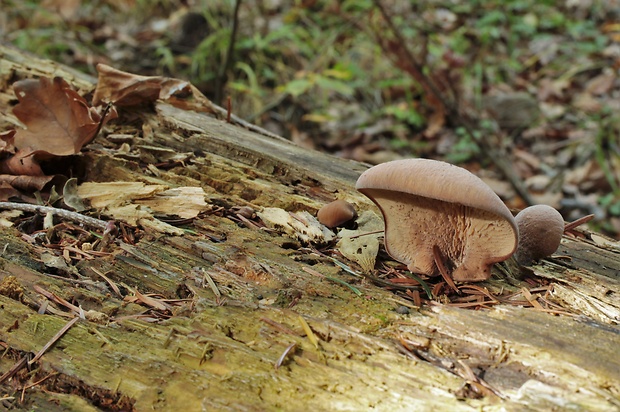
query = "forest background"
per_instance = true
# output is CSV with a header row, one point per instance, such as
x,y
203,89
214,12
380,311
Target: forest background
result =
x,y
523,93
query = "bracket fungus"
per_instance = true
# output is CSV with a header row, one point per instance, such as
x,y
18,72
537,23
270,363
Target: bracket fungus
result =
x,y
433,208
540,233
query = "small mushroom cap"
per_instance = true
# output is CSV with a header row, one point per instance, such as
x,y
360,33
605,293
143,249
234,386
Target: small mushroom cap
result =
x,y
336,213
540,233
426,203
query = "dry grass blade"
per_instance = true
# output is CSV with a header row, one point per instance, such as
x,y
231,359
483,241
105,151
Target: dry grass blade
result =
x,y
336,280
405,350
415,296
311,336
53,340
248,223
25,388
479,383
481,304
374,232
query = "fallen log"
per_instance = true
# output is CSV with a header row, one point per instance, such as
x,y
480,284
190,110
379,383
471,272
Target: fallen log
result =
x,y
231,315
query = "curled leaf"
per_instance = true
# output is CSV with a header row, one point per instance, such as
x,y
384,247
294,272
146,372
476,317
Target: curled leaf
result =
x,y
128,89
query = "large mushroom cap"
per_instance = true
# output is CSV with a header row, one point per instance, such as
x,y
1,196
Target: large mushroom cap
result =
x,y
427,203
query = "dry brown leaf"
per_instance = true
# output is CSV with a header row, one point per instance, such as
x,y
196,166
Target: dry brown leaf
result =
x,y
7,141
128,89
27,183
602,83
23,163
59,121
7,191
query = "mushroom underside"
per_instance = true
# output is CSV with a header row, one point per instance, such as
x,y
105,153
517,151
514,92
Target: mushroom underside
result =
x,y
470,240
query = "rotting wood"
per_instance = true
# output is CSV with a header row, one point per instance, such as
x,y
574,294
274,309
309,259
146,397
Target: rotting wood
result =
x,y
211,350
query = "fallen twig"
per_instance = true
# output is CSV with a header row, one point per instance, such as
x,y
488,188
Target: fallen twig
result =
x,y
63,213
25,388
15,368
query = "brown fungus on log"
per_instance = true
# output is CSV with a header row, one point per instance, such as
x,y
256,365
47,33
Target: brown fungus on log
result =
x,y
540,232
429,204
336,213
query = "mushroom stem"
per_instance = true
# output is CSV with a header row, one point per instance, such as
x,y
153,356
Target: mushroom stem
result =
x,y
442,269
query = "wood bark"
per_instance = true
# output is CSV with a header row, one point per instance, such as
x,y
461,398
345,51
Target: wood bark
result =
x,y
248,349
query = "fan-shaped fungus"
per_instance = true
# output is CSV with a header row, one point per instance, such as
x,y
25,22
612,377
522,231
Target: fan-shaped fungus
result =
x,y
428,204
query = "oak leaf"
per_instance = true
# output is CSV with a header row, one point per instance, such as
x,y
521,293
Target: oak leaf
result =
x,y
28,183
58,120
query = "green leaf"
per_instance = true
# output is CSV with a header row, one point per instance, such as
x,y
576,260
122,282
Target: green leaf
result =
x,y
334,85
297,87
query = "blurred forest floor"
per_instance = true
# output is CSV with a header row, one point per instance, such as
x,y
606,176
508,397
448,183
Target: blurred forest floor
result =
x,y
524,93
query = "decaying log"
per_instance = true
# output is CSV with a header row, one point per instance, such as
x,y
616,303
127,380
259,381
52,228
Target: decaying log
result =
x,y
235,338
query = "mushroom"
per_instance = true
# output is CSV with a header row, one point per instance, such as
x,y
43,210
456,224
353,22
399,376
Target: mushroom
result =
x,y
540,232
434,211
336,213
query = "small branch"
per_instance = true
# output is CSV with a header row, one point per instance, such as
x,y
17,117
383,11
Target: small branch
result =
x,y
65,214
15,368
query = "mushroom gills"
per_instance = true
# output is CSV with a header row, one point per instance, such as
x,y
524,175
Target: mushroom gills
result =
x,y
470,239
